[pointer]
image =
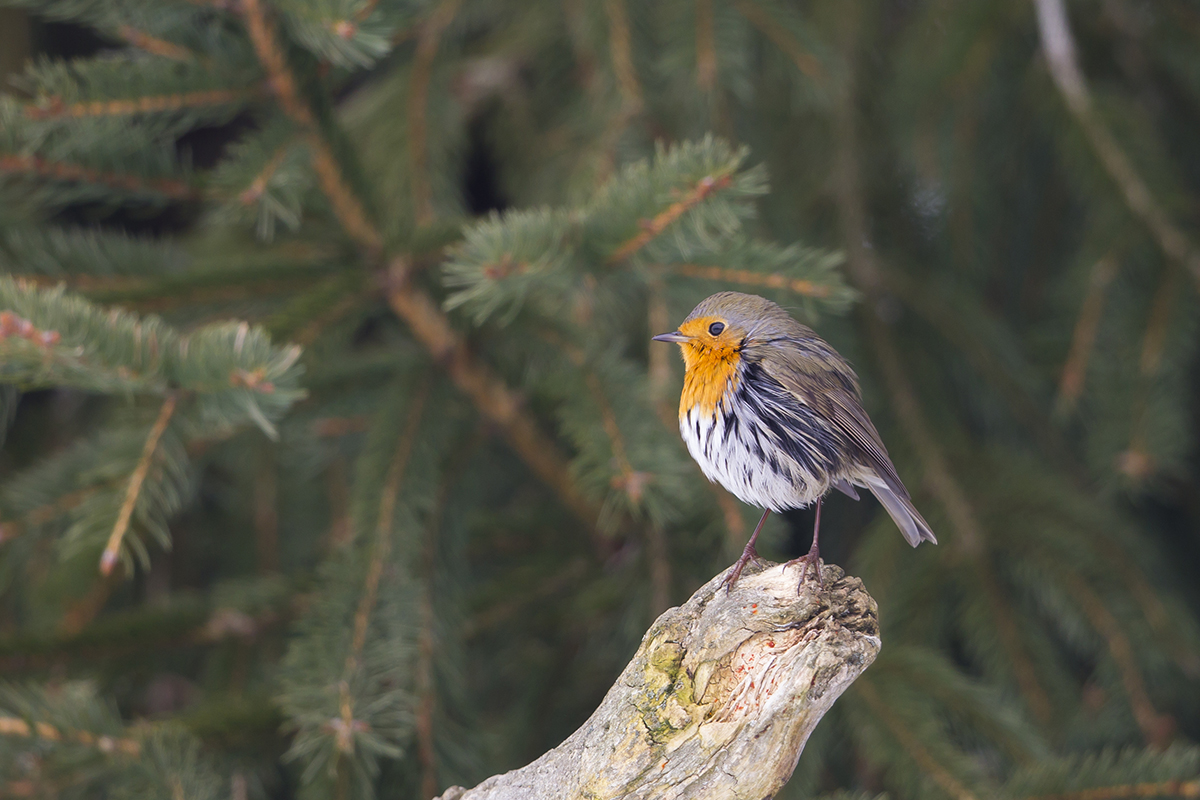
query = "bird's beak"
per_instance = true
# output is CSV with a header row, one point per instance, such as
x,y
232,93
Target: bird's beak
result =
x,y
674,336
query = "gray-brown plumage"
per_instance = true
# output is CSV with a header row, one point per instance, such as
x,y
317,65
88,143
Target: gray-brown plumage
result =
x,y
774,414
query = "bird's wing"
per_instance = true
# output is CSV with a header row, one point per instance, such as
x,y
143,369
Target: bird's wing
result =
x,y
815,376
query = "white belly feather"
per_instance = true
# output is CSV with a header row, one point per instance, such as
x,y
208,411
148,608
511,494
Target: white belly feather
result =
x,y
742,460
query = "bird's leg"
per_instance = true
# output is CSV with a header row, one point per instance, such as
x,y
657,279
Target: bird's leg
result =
x,y
748,553
814,554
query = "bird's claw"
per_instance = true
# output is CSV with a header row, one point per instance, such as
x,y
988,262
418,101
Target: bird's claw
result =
x,y
748,555
813,559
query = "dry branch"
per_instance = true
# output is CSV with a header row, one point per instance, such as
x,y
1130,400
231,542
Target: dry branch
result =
x,y
719,699
1058,45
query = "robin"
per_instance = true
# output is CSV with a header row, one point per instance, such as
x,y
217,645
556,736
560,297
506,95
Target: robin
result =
x,y
771,412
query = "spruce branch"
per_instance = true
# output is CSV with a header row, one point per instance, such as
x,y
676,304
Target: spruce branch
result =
x,y
15,726
428,40
1083,338
1158,729
346,205
492,398
80,613
1058,45
621,52
10,529
1114,774
911,743
112,550
719,699
181,621
51,108
169,188
1136,462
154,45
1010,377
265,513
632,483
969,541
706,47
777,34
383,525
652,228
428,643
745,277
1185,789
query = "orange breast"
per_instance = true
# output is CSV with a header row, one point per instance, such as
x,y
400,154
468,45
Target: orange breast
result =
x,y
711,372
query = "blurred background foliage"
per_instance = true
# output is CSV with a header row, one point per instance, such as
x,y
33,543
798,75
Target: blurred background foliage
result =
x,y
338,463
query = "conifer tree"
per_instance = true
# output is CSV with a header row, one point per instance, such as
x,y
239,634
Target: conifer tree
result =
x,y
323,481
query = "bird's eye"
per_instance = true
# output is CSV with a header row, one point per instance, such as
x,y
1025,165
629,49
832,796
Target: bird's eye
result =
x,y
716,328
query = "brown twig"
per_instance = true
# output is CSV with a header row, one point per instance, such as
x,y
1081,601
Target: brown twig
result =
x,y
350,212
341,530
1151,605
258,186
1058,45
608,419
1186,789
60,171
153,45
112,550
621,50
745,277
1074,372
346,206
53,107
383,526
14,726
806,62
492,398
345,724
1156,728
84,610
266,515
628,87
653,228
428,41
1136,461
706,47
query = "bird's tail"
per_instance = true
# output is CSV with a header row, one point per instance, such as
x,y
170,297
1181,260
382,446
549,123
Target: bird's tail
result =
x,y
900,508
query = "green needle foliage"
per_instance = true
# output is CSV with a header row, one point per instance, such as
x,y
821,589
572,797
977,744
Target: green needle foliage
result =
x,y
316,485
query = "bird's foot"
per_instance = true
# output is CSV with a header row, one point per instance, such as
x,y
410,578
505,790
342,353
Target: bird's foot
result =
x,y
813,559
749,554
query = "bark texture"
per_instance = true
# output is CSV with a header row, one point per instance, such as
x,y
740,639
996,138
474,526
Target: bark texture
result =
x,y
719,699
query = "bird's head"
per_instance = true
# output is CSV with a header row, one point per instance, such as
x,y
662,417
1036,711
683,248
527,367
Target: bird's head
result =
x,y
722,325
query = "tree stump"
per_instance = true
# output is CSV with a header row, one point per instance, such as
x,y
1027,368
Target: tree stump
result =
x,y
719,699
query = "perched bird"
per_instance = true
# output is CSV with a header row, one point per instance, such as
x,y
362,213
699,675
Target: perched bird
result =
x,y
771,412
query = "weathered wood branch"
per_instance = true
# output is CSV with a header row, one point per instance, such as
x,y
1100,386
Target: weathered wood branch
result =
x,y
719,699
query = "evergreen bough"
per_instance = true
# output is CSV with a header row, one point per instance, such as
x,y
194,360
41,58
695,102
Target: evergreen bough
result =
x,y
401,527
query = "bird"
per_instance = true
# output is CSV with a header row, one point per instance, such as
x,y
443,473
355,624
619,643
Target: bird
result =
x,y
773,413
